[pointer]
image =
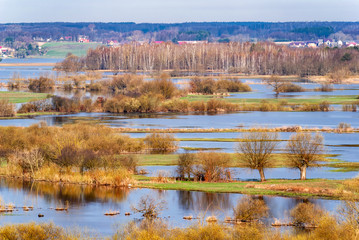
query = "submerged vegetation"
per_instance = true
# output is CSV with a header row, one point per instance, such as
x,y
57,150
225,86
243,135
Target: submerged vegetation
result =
x,y
308,220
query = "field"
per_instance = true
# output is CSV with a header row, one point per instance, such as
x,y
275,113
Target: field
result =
x,y
22,97
61,49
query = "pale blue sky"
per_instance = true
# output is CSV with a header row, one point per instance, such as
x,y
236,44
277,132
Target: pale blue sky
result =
x,y
170,11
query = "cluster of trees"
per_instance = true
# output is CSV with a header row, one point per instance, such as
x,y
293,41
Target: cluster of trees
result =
x,y
203,166
7,109
250,58
255,151
302,151
82,147
219,85
151,103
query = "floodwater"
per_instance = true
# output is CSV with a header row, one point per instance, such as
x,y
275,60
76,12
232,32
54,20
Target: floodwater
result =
x,y
87,205
193,121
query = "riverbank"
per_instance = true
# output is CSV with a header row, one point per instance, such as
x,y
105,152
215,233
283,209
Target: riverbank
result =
x,y
314,188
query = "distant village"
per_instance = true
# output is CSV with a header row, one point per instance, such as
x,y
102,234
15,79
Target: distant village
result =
x,y
330,43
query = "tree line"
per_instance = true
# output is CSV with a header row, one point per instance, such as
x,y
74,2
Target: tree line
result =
x,y
249,58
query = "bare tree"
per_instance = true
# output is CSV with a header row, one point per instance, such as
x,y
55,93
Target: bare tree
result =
x,y
149,207
185,164
256,150
276,83
29,161
304,150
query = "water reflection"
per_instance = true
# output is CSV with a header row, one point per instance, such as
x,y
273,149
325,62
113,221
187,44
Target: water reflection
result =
x,y
76,195
87,204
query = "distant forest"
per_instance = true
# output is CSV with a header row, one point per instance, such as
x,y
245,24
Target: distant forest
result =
x,y
249,58
209,31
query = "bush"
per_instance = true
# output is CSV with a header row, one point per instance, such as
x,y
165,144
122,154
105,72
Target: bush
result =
x,y
324,106
35,106
212,166
31,231
291,87
344,127
175,105
68,157
232,85
129,162
306,214
202,85
249,209
325,87
7,109
41,83
161,143
61,104
95,86
149,207
198,106
29,161
89,160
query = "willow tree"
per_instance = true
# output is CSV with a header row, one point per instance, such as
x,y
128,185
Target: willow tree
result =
x,y
256,150
304,150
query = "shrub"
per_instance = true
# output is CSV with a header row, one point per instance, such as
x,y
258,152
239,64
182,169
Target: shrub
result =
x,y
198,106
41,83
249,209
162,176
212,166
344,127
89,160
165,86
61,104
291,87
29,161
175,105
129,162
35,106
68,157
232,85
306,214
161,143
68,87
94,86
7,109
325,87
324,106
30,231
149,207
200,85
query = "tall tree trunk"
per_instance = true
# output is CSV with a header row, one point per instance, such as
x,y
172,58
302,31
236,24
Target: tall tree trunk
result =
x,y
303,173
261,173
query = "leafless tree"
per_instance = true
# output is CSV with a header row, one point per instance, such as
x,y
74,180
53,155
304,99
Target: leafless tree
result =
x,y
256,150
304,150
29,161
276,83
149,207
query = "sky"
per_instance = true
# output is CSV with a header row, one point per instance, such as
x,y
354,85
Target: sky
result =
x,y
171,11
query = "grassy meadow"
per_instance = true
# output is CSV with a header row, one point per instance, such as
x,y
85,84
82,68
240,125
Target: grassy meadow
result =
x,y
61,49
